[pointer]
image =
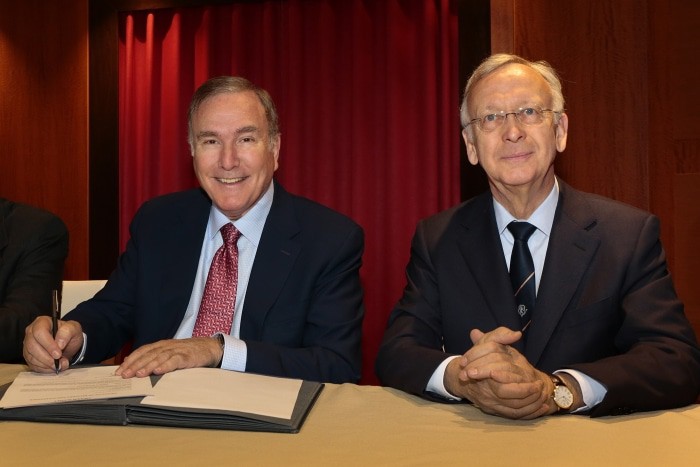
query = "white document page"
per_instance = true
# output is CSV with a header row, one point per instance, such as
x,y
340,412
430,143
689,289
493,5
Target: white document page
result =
x,y
213,388
74,384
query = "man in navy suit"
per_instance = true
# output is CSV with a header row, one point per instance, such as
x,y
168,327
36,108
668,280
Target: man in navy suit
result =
x,y
298,303
33,249
607,334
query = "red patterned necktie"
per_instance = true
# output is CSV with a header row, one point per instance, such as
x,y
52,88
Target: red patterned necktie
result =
x,y
219,298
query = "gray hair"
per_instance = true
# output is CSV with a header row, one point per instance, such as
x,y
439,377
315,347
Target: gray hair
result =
x,y
232,84
493,63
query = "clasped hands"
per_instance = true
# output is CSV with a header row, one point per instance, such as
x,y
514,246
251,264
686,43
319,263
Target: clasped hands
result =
x,y
40,349
498,379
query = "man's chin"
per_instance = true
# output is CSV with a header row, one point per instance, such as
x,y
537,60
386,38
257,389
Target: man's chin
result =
x,y
232,210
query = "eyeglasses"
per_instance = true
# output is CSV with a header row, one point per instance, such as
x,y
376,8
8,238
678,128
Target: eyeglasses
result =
x,y
529,116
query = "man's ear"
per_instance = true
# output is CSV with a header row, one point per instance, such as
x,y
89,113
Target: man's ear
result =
x,y
276,144
471,147
561,131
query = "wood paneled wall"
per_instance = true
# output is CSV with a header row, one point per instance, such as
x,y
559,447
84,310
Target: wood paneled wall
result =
x,y
629,69
43,113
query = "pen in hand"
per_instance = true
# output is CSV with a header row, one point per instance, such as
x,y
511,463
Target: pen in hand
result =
x,y
56,309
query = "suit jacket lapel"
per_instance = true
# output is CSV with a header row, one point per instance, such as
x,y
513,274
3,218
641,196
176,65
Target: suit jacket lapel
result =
x,y
481,248
274,259
572,244
180,266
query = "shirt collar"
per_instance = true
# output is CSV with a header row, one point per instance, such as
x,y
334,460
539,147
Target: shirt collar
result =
x,y
542,218
251,224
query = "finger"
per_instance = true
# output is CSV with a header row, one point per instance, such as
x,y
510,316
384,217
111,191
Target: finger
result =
x,y
164,361
37,363
520,394
523,413
188,353
487,358
69,333
500,335
487,349
39,348
136,361
540,412
476,335
484,367
529,407
516,401
530,411
157,358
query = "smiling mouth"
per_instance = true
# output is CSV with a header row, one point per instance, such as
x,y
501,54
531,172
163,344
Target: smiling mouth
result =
x,y
519,155
230,181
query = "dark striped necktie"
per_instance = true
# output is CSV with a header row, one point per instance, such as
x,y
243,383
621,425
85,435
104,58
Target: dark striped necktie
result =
x,y
522,272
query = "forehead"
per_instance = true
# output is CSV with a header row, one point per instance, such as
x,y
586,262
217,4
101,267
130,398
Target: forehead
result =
x,y
510,85
241,107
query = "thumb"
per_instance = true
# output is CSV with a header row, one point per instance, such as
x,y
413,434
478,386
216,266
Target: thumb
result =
x,y
500,335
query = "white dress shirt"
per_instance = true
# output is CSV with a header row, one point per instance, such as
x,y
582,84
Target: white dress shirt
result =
x,y
251,226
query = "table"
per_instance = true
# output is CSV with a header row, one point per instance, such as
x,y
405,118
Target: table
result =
x,y
369,425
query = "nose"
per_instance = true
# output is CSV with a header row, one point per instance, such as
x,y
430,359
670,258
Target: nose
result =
x,y
512,128
229,157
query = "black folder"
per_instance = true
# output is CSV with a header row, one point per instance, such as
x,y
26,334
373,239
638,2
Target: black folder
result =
x,y
130,411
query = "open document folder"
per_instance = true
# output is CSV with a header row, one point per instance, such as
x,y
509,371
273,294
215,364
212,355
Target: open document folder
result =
x,y
190,398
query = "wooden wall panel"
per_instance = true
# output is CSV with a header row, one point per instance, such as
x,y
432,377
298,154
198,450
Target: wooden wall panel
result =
x,y
683,33
43,113
678,116
630,72
599,48
660,137
687,215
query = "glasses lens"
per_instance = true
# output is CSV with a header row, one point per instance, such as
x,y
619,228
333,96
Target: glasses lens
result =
x,y
530,116
526,116
491,122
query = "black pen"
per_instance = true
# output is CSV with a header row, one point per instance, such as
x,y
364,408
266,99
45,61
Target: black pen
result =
x,y
56,309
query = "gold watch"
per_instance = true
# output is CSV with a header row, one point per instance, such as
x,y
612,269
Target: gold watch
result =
x,y
562,395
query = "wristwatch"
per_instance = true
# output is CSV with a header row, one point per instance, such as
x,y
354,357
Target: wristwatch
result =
x,y
562,395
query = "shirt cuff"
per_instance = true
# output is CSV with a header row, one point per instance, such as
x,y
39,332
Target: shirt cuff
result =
x,y
436,383
78,358
235,354
591,390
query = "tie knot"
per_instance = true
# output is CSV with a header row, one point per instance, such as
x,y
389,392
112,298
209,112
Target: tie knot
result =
x,y
521,230
230,234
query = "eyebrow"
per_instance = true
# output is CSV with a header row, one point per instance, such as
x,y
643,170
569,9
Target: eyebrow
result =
x,y
239,131
523,105
206,134
247,129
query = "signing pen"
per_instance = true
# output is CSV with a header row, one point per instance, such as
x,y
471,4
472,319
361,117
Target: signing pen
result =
x,y
56,310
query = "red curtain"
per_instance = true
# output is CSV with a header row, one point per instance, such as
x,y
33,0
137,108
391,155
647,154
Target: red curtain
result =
x,y
367,93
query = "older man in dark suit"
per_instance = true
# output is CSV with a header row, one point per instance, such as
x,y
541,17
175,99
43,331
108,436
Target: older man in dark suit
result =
x,y
577,315
33,250
238,274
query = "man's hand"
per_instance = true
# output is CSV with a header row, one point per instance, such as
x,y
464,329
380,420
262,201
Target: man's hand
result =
x,y
170,355
40,349
498,379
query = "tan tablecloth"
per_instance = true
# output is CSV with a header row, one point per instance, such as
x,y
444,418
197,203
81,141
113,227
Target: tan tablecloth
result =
x,y
369,425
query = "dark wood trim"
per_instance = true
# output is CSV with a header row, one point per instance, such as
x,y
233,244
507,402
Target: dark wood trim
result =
x,y
474,23
103,124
